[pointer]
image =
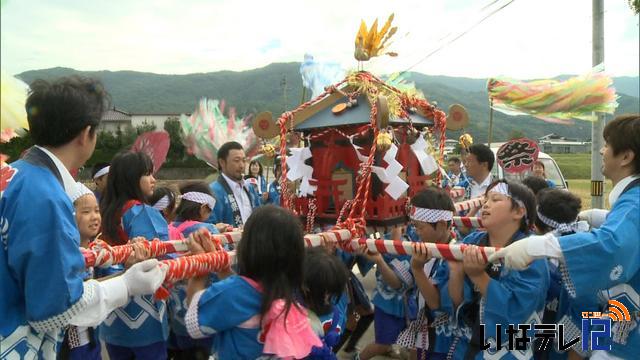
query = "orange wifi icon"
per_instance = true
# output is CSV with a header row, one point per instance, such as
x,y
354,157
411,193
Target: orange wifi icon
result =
x,y
618,312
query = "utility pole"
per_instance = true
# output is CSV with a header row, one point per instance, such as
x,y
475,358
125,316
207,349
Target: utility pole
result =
x,y
597,179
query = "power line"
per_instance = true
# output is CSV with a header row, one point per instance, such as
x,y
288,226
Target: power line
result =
x,y
461,34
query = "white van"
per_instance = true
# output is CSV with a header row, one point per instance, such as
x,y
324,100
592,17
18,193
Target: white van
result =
x,y
550,167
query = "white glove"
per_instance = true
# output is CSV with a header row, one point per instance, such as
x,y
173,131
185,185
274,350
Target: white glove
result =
x,y
595,217
145,277
521,253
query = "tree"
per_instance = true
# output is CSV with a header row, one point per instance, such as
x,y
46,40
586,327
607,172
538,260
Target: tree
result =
x,y
516,134
176,149
634,5
16,146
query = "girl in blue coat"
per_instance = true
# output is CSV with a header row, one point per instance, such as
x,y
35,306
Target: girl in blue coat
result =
x,y
195,207
140,328
255,312
484,299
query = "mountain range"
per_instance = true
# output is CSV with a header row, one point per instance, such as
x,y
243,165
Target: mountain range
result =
x,y
278,87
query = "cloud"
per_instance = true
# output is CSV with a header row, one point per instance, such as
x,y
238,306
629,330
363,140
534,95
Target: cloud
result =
x,y
525,40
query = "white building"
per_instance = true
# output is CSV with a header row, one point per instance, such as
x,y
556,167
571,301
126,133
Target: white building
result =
x,y
116,118
556,144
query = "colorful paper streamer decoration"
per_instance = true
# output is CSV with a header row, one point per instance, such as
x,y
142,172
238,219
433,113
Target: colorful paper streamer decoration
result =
x,y
318,75
13,113
208,128
555,101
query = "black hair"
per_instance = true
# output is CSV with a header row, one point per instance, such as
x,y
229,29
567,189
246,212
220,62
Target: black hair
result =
x,y
224,150
97,167
433,198
58,111
160,192
524,194
271,252
325,276
558,205
259,165
483,154
619,134
535,183
190,210
454,159
277,168
123,184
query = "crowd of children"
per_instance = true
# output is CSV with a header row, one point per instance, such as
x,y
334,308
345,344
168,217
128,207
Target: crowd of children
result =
x,y
280,299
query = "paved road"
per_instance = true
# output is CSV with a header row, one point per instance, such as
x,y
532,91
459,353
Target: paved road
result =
x,y
369,283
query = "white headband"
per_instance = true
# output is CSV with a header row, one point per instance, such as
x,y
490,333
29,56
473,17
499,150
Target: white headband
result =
x,y
101,172
162,203
200,198
503,188
430,215
80,191
563,228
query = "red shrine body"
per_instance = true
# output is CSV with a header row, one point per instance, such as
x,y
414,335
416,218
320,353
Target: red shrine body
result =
x,y
359,111
335,168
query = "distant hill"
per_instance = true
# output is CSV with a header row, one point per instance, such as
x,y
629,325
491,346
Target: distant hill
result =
x,y
262,89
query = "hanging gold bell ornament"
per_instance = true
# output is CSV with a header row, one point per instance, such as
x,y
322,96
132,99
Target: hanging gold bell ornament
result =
x,y
269,150
465,140
383,141
412,135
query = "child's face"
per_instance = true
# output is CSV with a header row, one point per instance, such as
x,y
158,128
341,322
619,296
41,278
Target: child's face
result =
x,y
254,169
497,211
147,184
431,233
538,171
87,216
205,212
101,183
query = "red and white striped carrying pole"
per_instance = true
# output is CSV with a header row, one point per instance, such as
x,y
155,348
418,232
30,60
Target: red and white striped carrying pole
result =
x,y
469,204
457,192
395,247
466,221
101,254
187,267
109,255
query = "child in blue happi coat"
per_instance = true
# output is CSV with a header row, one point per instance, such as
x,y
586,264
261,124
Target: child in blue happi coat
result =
x,y
140,328
324,294
484,299
254,312
557,212
196,203
81,343
164,200
393,298
431,215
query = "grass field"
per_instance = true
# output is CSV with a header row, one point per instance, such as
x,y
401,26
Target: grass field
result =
x,y
574,166
582,188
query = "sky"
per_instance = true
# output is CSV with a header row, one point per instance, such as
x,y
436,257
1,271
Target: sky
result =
x,y
527,39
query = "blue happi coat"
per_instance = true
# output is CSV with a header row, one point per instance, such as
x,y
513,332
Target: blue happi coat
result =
x,y
603,265
223,211
41,267
229,312
514,297
177,302
143,321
